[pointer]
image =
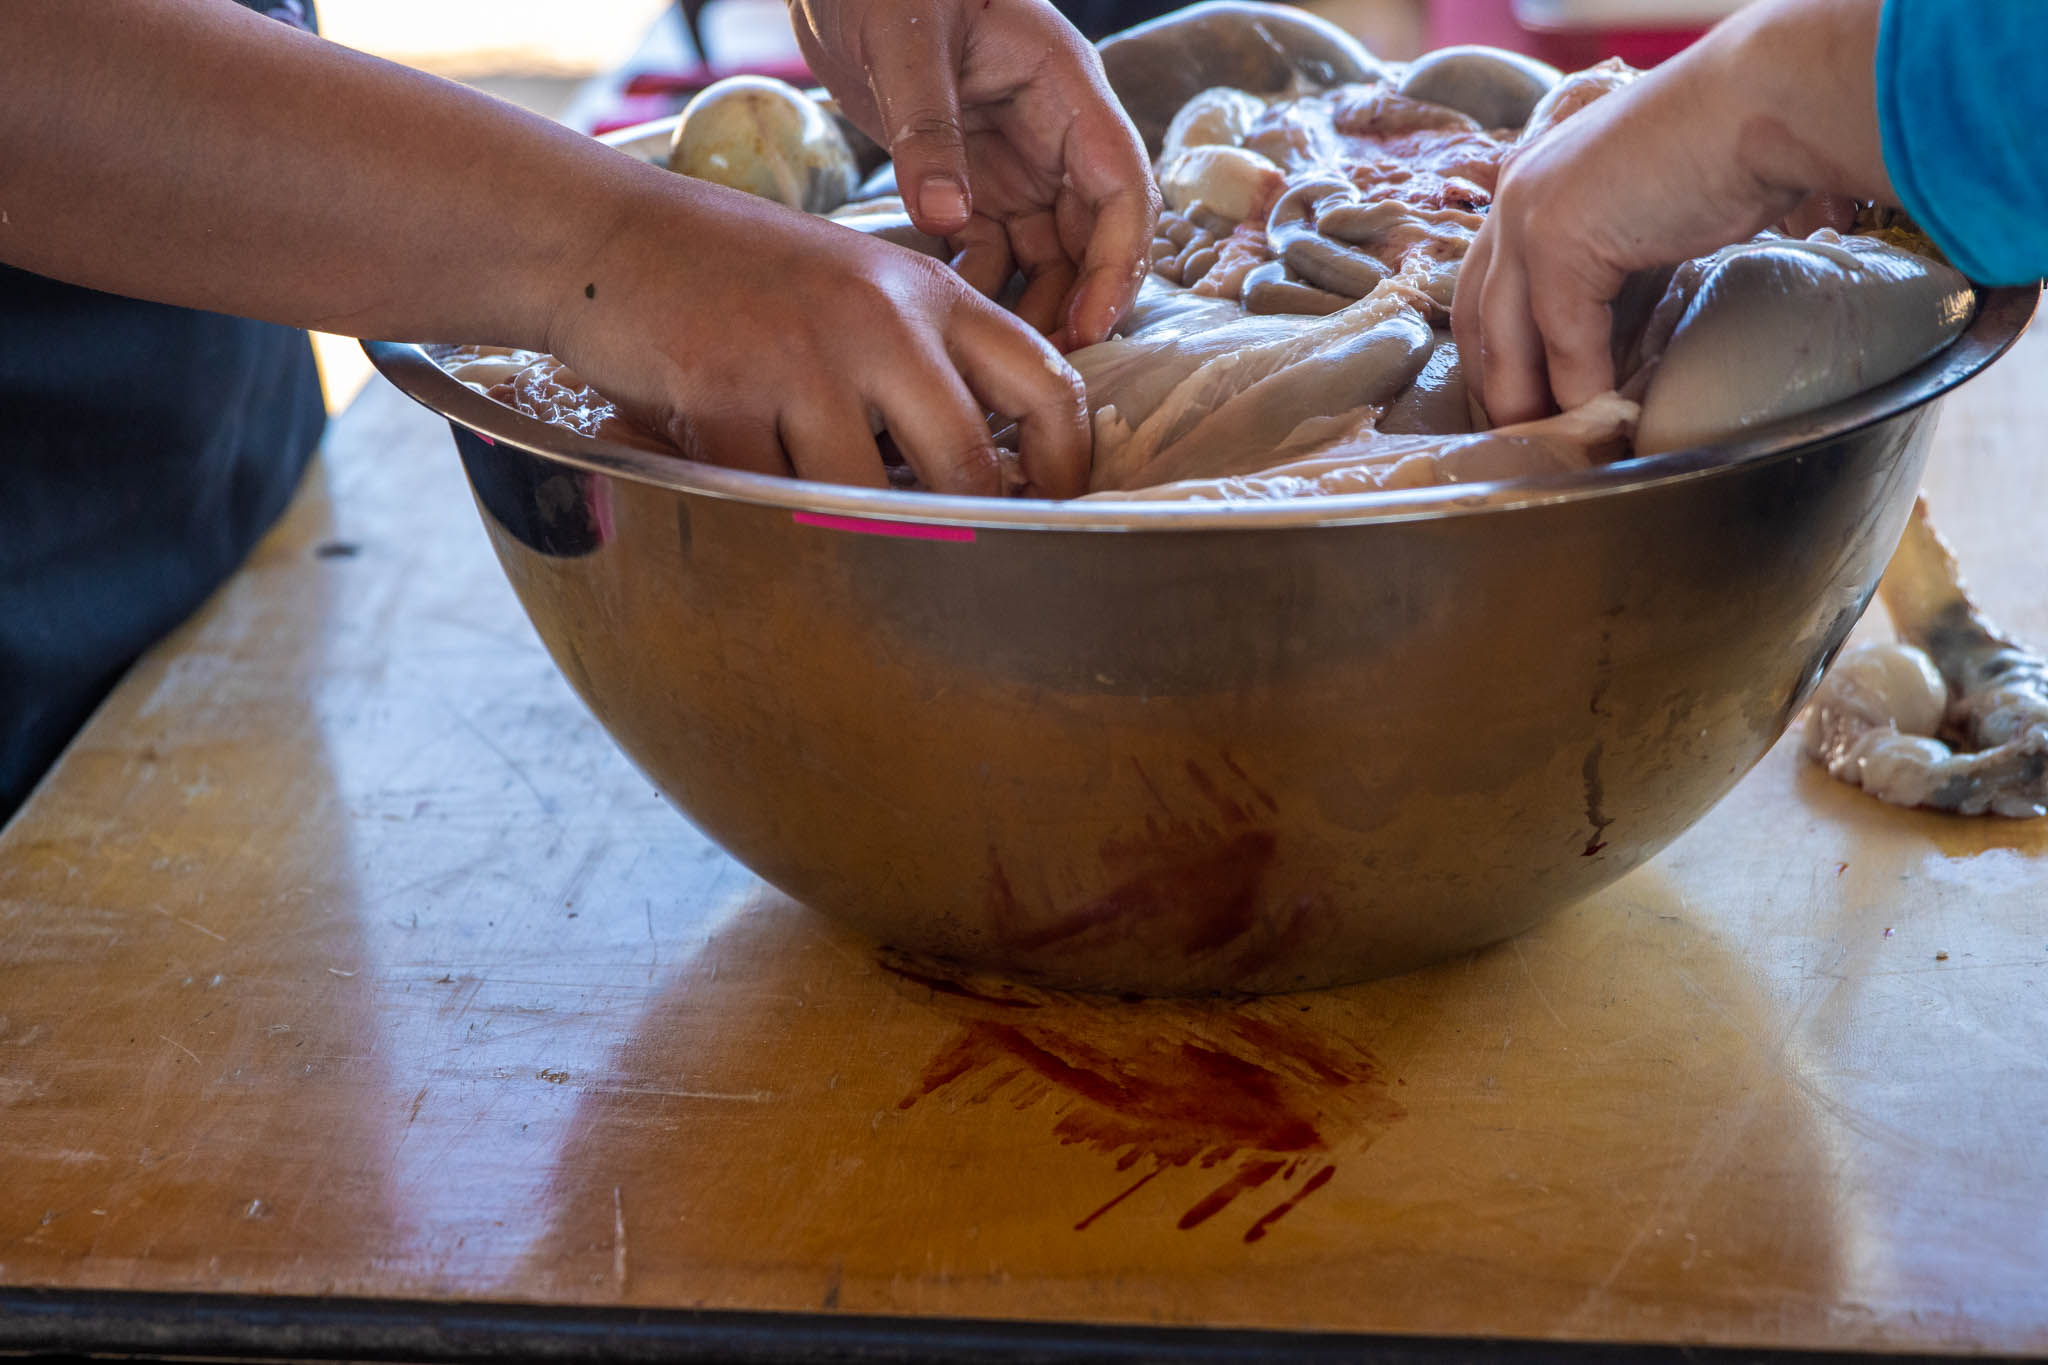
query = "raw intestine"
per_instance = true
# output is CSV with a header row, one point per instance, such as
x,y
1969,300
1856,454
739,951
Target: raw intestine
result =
x,y
1292,337
1953,716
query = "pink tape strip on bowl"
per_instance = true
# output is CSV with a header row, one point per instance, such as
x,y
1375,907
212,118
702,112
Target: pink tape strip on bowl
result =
x,y
902,530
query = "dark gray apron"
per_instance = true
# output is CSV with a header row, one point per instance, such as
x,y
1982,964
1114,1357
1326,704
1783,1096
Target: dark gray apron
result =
x,y
143,450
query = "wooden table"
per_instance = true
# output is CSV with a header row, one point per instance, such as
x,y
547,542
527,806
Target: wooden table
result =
x,y
344,956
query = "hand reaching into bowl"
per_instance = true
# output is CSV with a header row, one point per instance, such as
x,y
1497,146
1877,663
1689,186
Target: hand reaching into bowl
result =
x,y
1909,102
1007,142
790,340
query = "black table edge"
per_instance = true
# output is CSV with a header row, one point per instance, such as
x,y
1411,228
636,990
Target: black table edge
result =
x,y
73,1322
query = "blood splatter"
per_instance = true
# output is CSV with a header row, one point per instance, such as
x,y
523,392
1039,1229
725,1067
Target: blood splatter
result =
x,y
1202,895
1288,1205
1225,806
1192,883
1249,1176
1265,797
1247,1088
1125,1193
1250,1090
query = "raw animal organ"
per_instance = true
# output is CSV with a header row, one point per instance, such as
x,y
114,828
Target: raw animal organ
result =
x,y
1325,243
1293,337
1353,207
1954,716
768,138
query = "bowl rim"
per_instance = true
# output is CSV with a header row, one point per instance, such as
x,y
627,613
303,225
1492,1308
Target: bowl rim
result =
x,y
2002,315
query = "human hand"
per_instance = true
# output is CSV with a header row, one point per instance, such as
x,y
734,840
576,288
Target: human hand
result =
x,y
1007,142
1772,107
758,337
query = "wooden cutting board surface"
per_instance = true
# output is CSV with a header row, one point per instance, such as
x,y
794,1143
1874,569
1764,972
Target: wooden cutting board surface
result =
x,y
344,955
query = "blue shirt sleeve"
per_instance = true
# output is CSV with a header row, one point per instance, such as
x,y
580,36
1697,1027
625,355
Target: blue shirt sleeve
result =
x,y
1962,104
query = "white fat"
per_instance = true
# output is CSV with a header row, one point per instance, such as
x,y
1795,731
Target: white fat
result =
x,y
1229,182
1879,685
1218,116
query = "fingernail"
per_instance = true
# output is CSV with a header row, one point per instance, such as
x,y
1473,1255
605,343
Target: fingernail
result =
x,y
941,200
1087,325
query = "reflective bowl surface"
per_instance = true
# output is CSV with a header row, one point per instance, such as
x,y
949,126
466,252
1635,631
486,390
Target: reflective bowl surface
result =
x,y
1178,748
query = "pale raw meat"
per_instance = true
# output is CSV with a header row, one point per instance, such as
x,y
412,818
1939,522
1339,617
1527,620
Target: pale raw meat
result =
x,y
1954,716
1291,338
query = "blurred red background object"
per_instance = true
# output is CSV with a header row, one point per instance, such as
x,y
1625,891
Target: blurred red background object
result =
x,y
1571,36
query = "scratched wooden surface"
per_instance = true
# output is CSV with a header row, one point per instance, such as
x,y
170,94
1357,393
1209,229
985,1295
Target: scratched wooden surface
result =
x,y
343,954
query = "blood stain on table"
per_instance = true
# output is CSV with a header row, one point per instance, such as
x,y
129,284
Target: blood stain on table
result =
x,y
1228,1086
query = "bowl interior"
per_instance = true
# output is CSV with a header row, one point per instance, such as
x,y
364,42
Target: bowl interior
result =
x,y
2002,315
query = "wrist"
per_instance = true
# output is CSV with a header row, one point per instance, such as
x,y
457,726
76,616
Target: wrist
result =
x,y
589,265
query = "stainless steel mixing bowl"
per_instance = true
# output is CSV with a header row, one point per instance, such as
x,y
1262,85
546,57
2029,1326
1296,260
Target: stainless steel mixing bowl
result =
x,y
1183,747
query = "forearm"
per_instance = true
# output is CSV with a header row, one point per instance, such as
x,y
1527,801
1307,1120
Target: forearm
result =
x,y
1794,90
196,153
